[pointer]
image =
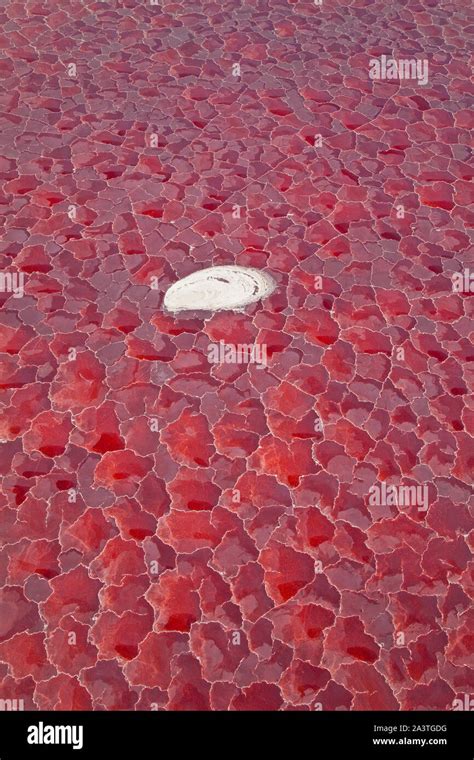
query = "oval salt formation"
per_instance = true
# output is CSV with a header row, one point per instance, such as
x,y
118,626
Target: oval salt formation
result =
x,y
219,288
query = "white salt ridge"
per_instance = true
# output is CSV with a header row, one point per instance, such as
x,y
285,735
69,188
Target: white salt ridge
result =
x,y
220,288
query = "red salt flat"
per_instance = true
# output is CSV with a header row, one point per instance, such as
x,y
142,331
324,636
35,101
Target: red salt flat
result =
x,y
205,530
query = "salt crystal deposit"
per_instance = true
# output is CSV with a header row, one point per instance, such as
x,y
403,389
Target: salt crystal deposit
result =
x,y
219,288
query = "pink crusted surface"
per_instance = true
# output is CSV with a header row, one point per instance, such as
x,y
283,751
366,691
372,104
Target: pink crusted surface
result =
x,y
183,535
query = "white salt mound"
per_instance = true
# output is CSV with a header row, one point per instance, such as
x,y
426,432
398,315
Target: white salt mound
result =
x,y
220,288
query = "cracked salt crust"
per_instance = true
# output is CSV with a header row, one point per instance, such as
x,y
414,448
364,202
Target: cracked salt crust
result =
x,y
219,288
